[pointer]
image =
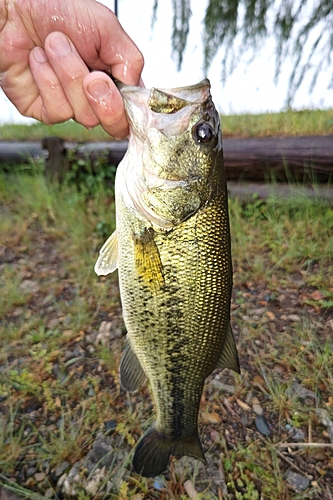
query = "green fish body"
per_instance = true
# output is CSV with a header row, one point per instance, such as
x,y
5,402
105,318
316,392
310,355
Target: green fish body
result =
x,y
172,250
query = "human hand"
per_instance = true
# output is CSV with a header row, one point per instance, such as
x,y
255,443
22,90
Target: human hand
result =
x,y
47,49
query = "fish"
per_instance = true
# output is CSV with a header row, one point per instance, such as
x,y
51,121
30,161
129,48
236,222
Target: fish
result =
x,y
173,253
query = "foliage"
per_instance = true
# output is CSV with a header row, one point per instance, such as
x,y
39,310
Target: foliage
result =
x,y
88,174
61,337
299,27
305,122
71,131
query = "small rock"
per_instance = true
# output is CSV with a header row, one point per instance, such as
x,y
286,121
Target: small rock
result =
x,y
249,397
301,392
49,493
34,415
262,426
214,435
30,471
68,482
324,418
159,483
102,452
296,481
211,418
17,312
110,426
190,489
67,333
104,333
66,487
52,323
243,405
91,486
61,468
39,476
231,389
29,286
297,435
246,419
256,407
294,317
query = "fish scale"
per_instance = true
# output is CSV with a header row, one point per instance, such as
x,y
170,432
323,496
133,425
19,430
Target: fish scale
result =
x,y
174,260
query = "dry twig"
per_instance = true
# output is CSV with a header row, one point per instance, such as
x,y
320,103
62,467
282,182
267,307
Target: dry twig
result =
x,y
284,446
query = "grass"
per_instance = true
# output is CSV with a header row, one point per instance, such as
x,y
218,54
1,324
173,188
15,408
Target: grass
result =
x,y
61,337
285,123
70,131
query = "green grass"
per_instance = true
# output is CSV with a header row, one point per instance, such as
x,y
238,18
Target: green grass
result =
x,y
305,122
70,131
59,375
285,123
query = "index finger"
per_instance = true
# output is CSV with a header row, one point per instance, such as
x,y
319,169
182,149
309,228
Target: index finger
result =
x,y
118,53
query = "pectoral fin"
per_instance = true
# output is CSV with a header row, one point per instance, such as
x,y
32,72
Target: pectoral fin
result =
x,y
107,261
229,356
148,261
132,376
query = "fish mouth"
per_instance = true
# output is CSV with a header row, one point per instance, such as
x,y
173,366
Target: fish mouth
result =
x,y
155,107
197,93
169,101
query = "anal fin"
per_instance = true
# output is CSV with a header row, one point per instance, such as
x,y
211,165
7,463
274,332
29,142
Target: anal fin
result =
x,y
131,373
229,355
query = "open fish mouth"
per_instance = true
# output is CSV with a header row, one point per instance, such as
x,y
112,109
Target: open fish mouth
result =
x,y
158,107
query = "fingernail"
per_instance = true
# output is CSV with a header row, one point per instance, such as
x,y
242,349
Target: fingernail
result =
x,y
60,44
99,89
39,55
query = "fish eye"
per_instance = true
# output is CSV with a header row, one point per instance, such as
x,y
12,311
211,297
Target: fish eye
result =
x,y
203,133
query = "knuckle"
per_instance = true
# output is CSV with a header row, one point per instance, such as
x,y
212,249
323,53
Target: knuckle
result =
x,y
139,61
88,122
51,118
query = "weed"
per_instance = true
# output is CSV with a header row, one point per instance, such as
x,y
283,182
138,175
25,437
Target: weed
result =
x,y
10,291
88,175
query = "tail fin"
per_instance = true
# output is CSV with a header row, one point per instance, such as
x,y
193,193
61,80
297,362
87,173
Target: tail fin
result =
x,y
153,451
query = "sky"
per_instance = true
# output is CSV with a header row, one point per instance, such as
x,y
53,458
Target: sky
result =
x,y
249,89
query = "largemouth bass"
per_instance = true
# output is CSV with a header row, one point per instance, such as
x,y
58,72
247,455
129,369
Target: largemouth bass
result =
x,y
172,250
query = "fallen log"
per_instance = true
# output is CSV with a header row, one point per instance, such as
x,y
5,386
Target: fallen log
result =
x,y
306,158
279,158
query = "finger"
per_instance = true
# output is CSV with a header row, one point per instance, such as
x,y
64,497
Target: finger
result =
x,y
111,49
52,105
107,103
126,62
70,70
